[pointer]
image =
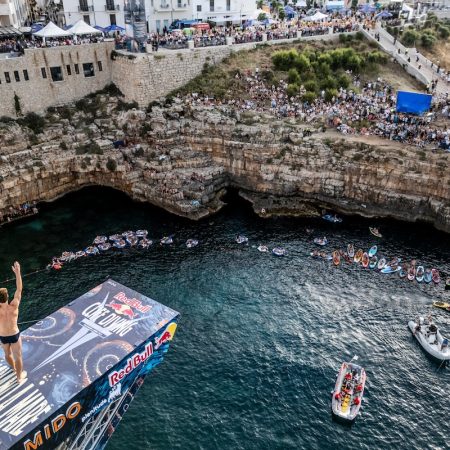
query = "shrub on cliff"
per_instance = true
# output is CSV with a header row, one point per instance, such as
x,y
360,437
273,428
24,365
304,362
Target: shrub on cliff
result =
x,y
33,121
90,147
126,106
111,165
309,97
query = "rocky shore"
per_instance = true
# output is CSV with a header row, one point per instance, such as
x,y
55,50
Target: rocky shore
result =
x,y
183,159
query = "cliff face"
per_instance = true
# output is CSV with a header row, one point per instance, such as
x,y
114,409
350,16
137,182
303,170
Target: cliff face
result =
x,y
186,157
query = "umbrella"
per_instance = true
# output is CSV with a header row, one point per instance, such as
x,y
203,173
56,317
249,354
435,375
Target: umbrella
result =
x,y
114,28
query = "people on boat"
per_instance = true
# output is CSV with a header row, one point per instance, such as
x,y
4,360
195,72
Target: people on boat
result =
x,y
356,401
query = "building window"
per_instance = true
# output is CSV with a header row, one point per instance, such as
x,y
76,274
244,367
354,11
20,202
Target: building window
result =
x,y
228,5
77,70
44,72
199,8
16,75
88,70
69,69
100,66
25,75
166,25
211,5
7,77
56,73
87,19
152,3
112,19
158,26
179,3
83,5
110,5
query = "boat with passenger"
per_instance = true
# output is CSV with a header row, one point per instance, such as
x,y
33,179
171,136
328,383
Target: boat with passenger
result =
x,y
115,237
91,250
332,218
348,391
132,240
321,241
375,232
190,243
120,243
141,233
430,338
105,246
263,248
166,240
100,240
145,243
240,239
279,251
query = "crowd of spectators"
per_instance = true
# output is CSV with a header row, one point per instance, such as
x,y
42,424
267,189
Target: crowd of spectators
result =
x,y
26,209
362,109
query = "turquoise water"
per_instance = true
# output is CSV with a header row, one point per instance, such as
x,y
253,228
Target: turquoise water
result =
x,y
260,338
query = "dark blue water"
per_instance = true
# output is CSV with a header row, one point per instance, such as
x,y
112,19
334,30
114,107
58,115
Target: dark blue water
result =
x,y
260,338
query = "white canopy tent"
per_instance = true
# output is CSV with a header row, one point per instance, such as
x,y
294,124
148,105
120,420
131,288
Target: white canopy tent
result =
x,y
81,27
317,17
51,31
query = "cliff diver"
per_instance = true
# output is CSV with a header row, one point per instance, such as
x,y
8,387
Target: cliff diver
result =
x,y
9,331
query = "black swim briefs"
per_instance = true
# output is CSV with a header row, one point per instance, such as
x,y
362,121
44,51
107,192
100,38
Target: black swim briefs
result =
x,y
10,339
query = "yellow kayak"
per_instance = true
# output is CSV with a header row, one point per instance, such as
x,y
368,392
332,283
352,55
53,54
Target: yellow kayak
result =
x,y
442,305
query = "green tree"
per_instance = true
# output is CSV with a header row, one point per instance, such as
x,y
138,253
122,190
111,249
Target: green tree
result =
x,y
309,97
409,37
292,90
293,76
311,86
262,17
259,4
281,13
329,94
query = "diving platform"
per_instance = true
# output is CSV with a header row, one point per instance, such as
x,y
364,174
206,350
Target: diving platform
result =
x,y
85,363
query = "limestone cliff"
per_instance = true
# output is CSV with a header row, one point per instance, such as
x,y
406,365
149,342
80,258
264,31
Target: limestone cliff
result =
x,y
186,157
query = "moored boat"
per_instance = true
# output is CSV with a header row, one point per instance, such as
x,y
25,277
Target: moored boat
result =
x,y
240,239
373,262
141,233
80,254
411,273
373,251
265,249
381,263
91,250
100,240
375,232
132,240
166,240
442,305
279,251
348,392
435,276
103,247
420,273
358,255
120,243
350,250
403,271
331,218
365,260
430,339
144,243
321,241
427,277
190,243
336,258
115,237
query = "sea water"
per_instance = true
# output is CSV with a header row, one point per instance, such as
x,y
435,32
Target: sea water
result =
x,y
260,338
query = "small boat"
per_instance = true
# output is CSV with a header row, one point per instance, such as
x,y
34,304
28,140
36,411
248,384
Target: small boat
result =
x,y
411,273
348,391
265,249
358,256
373,250
381,263
365,260
373,262
403,271
427,277
100,240
350,250
420,273
331,218
394,262
442,305
132,240
144,243
347,258
375,232
240,239
391,269
336,258
91,250
435,276
80,254
190,243
115,237
141,233
104,246
119,243
166,240
321,241
430,339
67,257
279,251
127,233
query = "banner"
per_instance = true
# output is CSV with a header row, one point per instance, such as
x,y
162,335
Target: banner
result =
x,y
413,103
135,20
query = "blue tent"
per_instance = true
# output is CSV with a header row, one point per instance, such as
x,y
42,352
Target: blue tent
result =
x,y
35,27
367,8
113,28
383,15
99,28
289,11
412,102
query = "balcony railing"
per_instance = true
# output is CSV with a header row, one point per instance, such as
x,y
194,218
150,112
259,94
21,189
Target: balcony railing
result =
x,y
85,8
112,7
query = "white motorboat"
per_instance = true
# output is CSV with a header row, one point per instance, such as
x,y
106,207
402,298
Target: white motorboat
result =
x,y
263,248
166,240
430,338
348,391
279,251
190,243
141,233
241,239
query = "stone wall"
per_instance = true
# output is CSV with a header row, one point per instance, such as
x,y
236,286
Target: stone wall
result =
x,y
146,77
38,93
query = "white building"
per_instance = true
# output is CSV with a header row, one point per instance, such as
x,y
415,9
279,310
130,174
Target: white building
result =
x,y
13,12
224,11
159,13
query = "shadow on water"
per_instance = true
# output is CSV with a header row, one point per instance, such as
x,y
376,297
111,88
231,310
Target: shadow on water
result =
x,y
260,338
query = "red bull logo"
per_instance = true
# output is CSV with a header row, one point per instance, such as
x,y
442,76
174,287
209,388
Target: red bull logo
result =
x,y
166,336
123,310
133,302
